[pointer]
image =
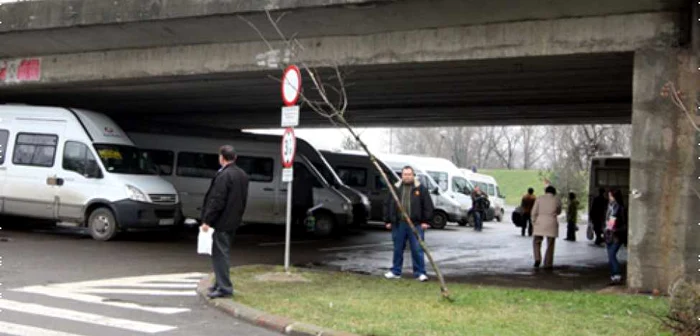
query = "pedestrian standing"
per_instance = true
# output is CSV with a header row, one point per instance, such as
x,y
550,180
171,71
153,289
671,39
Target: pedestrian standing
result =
x,y
527,202
596,216
544,218
224,205
571,217
615,234
415,199
480,204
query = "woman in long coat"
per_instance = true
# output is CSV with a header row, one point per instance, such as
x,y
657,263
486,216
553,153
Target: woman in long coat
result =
x,y
545,224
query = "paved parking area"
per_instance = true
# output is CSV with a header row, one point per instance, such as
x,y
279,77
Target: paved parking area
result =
x,y
62,281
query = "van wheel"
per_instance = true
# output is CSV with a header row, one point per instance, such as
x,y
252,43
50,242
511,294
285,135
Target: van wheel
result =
x,y
439,221
325,225
102,224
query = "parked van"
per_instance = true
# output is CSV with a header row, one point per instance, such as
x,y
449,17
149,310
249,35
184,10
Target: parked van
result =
x,y
447,209
356,170
450,179
78,166
191,162
489,185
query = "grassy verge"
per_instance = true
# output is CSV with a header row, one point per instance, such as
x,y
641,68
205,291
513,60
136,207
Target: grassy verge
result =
x,y
514,183
375,306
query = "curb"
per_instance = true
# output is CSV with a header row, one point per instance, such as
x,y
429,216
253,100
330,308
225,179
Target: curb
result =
x,y
259,318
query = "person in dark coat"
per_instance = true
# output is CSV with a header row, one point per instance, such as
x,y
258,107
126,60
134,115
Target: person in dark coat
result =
x,y
571,217
223,209
415,199
596,216
527,202
615,234
480,204
302,194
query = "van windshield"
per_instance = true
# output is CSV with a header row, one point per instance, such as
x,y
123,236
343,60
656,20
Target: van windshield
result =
x,y
122,159
440,178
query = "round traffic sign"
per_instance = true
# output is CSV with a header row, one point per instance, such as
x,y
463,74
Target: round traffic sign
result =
x,y
289,147
291,84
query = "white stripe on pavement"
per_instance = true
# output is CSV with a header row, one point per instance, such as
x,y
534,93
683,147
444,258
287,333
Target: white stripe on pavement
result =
x,y
135,280
154,285
100,290
65,294
23,330
353,247
77,316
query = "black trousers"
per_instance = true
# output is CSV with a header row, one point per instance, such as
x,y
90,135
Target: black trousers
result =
x,y
571,231
527,225
598,229
221,259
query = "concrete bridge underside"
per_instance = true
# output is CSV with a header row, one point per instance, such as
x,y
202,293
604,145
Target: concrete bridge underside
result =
x,y
409,62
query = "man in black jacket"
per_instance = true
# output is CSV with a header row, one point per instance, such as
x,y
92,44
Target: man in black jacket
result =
x,y
415,199
224,205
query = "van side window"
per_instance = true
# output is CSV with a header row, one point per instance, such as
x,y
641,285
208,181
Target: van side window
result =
x,y
33,149
78,158
352,176
4,136
258,169
197,165
163,159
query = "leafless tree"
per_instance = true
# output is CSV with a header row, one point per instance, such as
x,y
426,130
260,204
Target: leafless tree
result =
x,y
533,139
350,143
505,145
329,100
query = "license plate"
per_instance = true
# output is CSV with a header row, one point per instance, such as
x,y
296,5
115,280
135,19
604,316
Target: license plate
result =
x,y
166,221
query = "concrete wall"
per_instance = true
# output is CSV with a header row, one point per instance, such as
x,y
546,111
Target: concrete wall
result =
x,y
501,40
664,242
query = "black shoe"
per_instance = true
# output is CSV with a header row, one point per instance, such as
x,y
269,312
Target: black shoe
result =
x,y
212,289
217,294
537,264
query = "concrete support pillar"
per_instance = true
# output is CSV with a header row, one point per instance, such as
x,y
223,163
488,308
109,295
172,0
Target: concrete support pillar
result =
x,y
664,241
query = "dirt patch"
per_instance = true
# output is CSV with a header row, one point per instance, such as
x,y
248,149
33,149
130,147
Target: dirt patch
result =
x,y
281,277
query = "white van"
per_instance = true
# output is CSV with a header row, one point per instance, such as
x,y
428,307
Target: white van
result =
x,y
447,209
489,185
191,162
450,179
78,166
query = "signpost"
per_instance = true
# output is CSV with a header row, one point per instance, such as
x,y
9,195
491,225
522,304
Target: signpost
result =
x,y
291,84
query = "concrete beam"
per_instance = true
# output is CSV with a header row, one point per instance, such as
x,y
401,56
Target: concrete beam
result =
x,y
619,33
664,233
31,15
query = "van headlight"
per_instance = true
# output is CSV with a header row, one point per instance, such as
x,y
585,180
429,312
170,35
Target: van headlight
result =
x,y
347,207
135,194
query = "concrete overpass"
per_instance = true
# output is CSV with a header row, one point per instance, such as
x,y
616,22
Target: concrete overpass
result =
x,y
410,62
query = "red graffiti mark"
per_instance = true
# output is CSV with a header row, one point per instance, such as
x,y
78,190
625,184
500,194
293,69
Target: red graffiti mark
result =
x,y
24,70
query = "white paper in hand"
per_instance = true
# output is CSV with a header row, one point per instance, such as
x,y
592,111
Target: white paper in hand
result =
x,y
205,241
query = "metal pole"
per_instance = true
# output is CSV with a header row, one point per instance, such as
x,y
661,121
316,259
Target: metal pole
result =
x,y
288,233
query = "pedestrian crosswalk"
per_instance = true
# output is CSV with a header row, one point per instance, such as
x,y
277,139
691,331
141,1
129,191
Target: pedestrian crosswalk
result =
x,y
128,305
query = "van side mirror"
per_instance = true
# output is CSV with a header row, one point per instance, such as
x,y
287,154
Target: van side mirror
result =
x,y
436,191
93,171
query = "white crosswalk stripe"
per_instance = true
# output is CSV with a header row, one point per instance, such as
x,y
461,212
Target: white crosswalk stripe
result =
x,y
77,316
105,292
22,330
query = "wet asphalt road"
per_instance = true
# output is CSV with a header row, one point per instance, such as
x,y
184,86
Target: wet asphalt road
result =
x,y
38,261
